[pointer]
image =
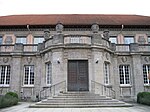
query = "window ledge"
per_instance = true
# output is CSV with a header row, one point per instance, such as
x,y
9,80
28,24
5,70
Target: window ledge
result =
x,y
146,85
5,86
125,85
28,86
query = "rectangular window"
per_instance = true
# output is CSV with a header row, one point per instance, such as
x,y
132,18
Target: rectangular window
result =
x,y
124,74
1,40
146,74
149,39
113,39
38,39
28,75
48,73
21,39
128,39
5,75
106,73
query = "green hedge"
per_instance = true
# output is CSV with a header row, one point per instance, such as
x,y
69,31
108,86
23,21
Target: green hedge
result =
x,y
143,98
8,100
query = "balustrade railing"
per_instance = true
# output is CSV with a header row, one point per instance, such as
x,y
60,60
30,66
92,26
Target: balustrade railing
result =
x,y
18,48
81,39
52,90
122,47
144,47
102,90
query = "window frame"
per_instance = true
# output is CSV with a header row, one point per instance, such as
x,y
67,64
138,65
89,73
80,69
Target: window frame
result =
x,y
129,37
48,73
29,76
6,74
38,37
147,74
1,37
115,37
21,37
125,76
106,73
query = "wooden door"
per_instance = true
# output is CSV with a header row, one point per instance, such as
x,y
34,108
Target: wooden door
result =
x,y
78,75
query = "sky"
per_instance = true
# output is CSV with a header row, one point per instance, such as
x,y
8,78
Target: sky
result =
x,y
15,7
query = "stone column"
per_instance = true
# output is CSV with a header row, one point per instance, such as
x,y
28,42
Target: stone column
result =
x,y
137,75
115,76
38,74
15,81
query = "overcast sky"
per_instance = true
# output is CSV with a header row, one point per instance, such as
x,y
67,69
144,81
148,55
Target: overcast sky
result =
x,y
13,7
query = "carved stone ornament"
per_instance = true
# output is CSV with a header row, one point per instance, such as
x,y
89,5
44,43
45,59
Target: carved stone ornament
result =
x,y
107,56
46,56
147,59
106,34
59,28
5,60
8,40
46,34
29,59
95,28
141,40
124,59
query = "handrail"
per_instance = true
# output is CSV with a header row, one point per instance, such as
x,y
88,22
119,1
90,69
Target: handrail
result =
x,y
102,89
52,89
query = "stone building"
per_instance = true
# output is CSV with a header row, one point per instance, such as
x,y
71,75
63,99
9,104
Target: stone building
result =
x,y
42,55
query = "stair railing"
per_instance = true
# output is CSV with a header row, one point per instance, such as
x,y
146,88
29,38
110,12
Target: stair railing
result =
x,y
102,90
52,90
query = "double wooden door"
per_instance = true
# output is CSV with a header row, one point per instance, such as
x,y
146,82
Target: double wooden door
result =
x,y
78,75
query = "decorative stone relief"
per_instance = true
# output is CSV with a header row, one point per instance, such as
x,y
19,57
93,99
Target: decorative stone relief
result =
x,y
8,40
141,40
124,59
59,28
29,59
95,28
5,59
46,56
107,55
106,34
46,34
147,59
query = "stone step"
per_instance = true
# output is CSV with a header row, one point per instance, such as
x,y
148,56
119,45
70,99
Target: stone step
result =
x,y
80,103
79,106
79,99
70,98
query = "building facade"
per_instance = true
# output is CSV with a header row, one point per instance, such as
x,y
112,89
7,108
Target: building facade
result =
x,y
42,55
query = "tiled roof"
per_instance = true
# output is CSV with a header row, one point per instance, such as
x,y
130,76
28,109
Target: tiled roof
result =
x,y
74,19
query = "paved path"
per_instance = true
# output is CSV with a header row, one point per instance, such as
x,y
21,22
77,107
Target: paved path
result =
x,y
23,107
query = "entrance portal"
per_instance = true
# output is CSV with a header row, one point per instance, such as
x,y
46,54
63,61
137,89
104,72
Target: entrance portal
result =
x,y
78,75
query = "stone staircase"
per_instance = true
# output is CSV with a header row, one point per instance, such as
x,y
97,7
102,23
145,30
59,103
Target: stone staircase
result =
x,y
79,100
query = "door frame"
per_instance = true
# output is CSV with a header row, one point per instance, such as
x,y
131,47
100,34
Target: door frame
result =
x,y
86,75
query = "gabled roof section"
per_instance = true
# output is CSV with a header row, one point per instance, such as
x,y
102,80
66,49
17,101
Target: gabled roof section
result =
x,y
74,19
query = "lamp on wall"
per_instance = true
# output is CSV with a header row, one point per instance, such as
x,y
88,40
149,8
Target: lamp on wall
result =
x,y
58,61
97,60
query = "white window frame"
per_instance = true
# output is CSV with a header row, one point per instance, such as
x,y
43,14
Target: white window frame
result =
x,y
113,37
124,76
38,37
148,39
106,73
147,73
29,76
129,37
21,37
1,37
6,70
48,73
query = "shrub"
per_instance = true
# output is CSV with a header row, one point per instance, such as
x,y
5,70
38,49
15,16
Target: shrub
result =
x,y
9,99
143,98
12,94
